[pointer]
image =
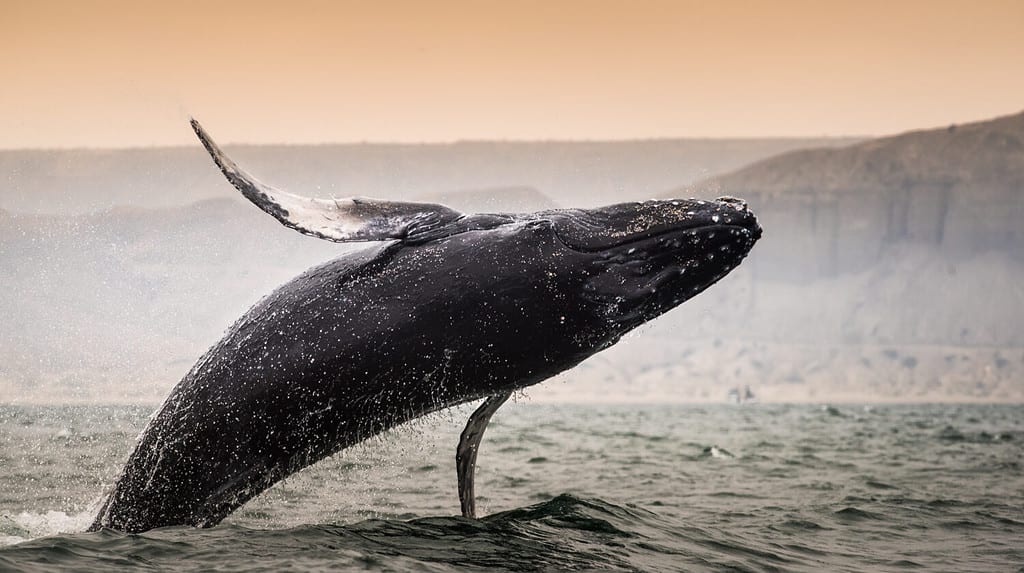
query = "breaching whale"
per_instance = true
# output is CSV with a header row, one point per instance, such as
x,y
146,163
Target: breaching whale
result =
x,y
443,309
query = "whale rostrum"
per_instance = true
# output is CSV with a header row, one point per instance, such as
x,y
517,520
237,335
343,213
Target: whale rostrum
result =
x,y
442,308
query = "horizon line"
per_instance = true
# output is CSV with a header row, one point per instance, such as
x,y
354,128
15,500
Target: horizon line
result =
x,y
454,142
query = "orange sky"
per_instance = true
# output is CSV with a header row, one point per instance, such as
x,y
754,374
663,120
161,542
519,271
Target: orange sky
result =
x,y
122,73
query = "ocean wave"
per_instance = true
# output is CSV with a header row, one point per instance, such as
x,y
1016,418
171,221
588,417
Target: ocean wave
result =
x,y
563,533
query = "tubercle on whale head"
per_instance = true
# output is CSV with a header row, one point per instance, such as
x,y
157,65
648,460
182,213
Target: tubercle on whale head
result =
x,y
605,227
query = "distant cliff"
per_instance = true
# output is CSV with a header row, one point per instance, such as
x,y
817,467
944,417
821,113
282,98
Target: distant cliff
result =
x,y
889,269
571,172
959,189
494,200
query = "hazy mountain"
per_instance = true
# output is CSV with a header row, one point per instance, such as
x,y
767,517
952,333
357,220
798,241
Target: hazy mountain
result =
x,y
985,155
897,261
957,188
577,173
496,200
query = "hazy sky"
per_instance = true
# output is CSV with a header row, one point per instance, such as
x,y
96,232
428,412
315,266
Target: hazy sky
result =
x,y
122,73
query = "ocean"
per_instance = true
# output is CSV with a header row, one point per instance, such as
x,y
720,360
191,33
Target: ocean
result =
x,y
562,487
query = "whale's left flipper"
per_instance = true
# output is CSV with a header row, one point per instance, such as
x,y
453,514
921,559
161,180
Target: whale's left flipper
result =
x,y
342,220
469,444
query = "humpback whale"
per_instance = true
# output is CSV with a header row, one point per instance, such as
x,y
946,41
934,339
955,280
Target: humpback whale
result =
x,y
442,308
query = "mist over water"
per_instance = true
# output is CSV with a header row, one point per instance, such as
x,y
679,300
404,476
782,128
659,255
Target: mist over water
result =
x,y
609,487
890,270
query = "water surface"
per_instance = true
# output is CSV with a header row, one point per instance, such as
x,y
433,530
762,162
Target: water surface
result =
x,y
645,488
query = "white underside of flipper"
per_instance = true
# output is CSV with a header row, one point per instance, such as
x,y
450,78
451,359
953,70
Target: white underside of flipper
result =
x,y
336,219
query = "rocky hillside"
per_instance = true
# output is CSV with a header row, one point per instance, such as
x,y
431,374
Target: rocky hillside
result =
x,y
495,200
889,269
573,173
958,189
986,154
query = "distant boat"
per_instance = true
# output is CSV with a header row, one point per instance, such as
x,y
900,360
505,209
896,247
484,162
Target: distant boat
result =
x,y
746,397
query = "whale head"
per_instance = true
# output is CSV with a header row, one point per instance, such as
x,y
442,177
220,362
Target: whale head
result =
x,y
642,259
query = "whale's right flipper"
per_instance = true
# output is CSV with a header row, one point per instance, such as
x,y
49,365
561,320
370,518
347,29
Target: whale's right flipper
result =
x,y
469,444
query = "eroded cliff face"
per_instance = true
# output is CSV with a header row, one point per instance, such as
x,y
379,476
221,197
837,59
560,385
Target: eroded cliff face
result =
x,y
909,247
958,191
828,234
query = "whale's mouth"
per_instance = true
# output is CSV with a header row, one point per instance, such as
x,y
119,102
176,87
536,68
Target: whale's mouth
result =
x,y
704,253
686,243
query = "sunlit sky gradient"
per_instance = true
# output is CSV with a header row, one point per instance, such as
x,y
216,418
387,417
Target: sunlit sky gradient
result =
x,y
125,73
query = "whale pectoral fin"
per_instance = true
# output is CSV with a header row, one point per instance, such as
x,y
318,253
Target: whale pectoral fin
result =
x,y
349,219
469,445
